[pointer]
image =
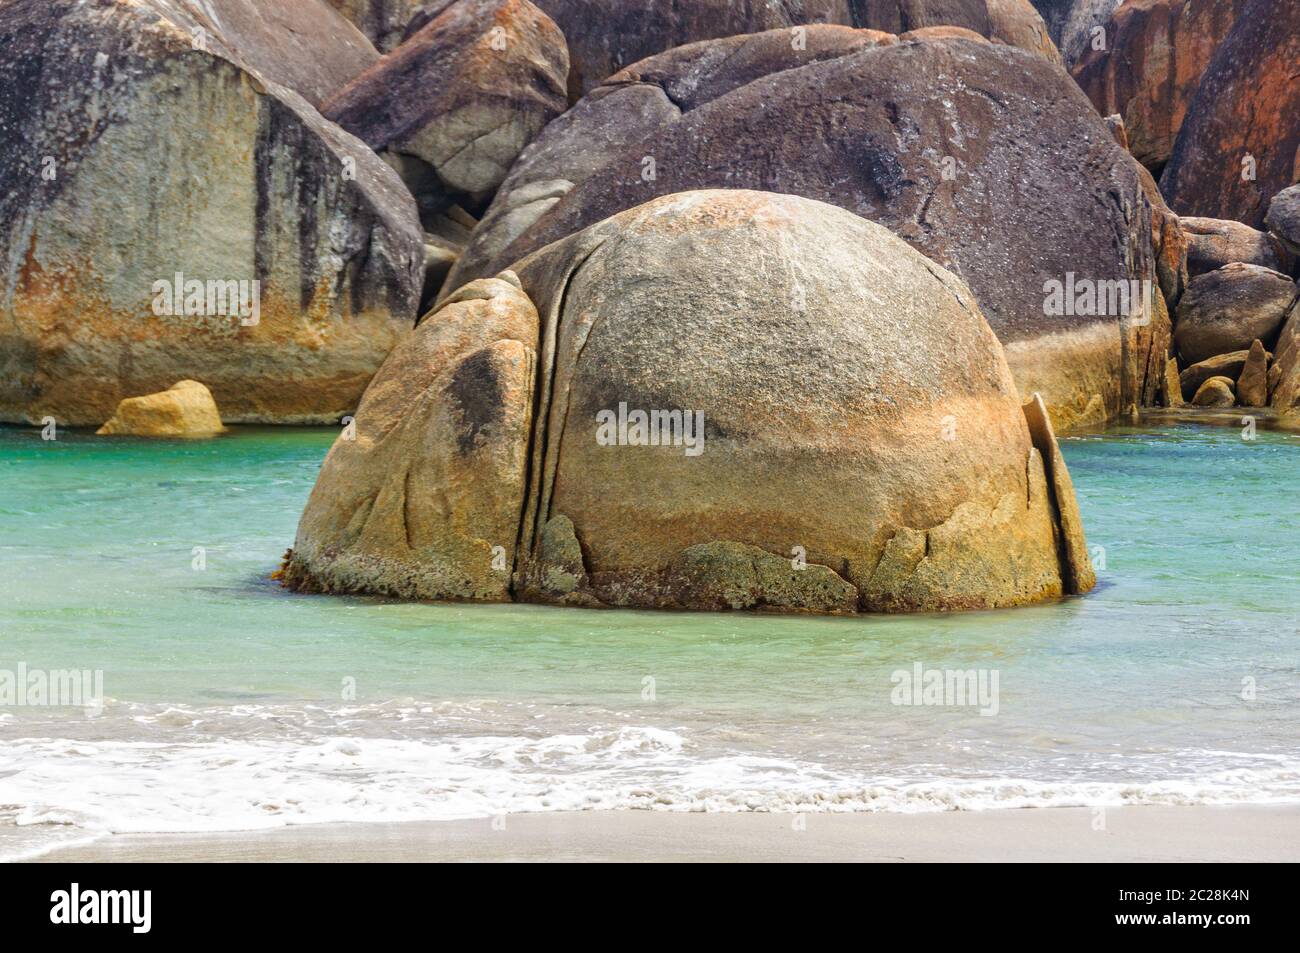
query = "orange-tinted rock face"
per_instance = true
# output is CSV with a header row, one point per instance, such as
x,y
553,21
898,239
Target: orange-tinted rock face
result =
x,y
1156,52
1238,143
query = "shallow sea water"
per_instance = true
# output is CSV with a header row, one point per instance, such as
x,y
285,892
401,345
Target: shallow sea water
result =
x,y
234,705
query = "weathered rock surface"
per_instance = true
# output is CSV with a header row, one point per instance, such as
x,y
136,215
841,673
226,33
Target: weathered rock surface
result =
x,y
1071,24
1076,562
1284,373
385,22
128,158
628,112
302,44
1221,365
454,105
1283,218
423,499
958,146
186,409
606,36
1237,145
855,438
1225,309
1171,391
1216,392
1156,51
1213,243
1252,385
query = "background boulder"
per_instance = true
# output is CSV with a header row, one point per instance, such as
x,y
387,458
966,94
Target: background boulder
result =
x,y
1226,309
1215,392
453,106
956,145
1237,145
385,22
302,44
1284,372
1156,51
185,167
606,36
1283,218
1070,24
1215,242
628,111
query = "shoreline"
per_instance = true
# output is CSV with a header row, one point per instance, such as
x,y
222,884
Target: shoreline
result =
x,y
1192,833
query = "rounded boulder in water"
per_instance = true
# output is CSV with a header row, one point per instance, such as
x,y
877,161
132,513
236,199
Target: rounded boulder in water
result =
x,y
723,399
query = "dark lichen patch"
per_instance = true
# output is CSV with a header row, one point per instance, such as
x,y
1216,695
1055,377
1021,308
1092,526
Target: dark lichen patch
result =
x,y
478,392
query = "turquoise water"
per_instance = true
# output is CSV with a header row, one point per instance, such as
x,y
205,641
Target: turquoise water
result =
x,y
231,704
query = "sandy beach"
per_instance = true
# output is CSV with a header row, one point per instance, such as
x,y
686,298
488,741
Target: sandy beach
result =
x,y
1131,834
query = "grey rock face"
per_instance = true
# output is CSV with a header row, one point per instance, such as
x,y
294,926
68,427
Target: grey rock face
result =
x,y
128,158
1226,309
1283,218
952,143
1070,23
453,106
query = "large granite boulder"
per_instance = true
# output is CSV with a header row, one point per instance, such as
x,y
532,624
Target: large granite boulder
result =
x,y
959,146
628,111
169,212
605,36
1226,309
452,107
385,22
1013,22
1215,242
719,399
1156,51
1238,142
1072,24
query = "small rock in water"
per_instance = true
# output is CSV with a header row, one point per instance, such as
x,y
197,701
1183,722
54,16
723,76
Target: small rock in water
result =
x,y
185,410
1221,365
1216,392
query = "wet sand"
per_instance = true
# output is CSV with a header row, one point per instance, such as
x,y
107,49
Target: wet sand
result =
x,y
1192,834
